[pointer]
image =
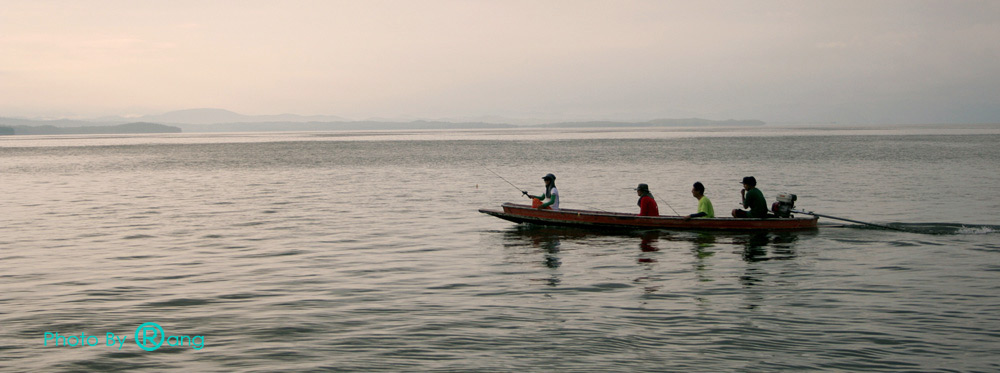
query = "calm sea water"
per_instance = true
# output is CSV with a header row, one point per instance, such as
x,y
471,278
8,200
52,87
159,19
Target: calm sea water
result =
x,y
365,251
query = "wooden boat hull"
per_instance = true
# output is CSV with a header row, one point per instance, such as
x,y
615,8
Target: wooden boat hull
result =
x,y
614,220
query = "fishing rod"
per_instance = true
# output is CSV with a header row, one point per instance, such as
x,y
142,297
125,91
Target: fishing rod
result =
x,y
594,208
508,182
850,220
522,190
671,208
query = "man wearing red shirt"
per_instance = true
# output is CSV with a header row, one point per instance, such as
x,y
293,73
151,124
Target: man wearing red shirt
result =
x,y
647,205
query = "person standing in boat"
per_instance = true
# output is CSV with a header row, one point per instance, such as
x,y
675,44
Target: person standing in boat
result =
x,y
647,205
705,209
548,200
753,199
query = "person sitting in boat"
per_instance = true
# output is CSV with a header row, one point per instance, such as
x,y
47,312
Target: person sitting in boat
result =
x,y
705,209
647,205
551,195
753,199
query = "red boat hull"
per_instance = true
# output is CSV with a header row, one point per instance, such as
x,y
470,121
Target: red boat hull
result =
x,y
614,220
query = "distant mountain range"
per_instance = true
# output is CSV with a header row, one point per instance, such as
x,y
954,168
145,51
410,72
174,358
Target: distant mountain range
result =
x,y
212,116
219,120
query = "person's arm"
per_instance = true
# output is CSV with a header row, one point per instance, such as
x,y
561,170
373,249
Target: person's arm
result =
x,y
743,196
702,210
552,200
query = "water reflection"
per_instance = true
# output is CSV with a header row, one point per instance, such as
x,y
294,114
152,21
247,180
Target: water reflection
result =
x,y
702,250
649,245
544,240
755,245
649,241
546,247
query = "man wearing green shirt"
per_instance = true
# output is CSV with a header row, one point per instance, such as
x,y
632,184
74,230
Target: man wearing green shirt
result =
x,y
753,199
705,209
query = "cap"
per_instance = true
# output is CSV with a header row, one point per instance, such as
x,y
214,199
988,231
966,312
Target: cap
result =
x,y
549,177
642,187
749,180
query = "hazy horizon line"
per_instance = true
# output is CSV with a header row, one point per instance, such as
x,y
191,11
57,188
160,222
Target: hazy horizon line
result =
x,y
483,118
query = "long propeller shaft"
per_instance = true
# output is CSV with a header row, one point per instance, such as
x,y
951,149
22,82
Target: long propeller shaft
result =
x,y
849,220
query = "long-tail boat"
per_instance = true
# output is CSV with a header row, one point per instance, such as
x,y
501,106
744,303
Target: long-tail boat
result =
x,y
616,220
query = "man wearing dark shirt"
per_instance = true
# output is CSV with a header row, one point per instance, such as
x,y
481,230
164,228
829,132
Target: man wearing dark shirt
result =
x,y
753,199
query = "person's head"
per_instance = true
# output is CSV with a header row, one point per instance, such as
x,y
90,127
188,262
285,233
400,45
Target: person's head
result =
x,y
642,189
549,178
749,182
698,190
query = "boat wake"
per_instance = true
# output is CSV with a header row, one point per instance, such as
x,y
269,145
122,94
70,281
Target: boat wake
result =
x,y
981,229
938,228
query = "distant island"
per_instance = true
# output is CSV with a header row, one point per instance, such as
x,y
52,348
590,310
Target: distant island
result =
x,y
139,127
220,120
440,125
337,126
689,122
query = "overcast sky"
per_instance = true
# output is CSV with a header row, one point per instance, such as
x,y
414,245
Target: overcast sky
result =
x,y
777,61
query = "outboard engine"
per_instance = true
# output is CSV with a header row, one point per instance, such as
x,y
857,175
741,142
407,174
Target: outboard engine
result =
x,y
783,208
